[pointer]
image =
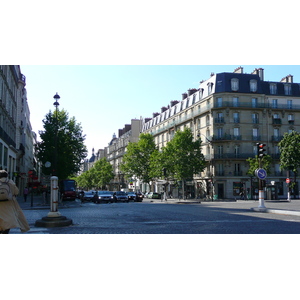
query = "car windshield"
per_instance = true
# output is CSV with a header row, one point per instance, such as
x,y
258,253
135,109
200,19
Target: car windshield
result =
x,y
103,192
121,193
88,193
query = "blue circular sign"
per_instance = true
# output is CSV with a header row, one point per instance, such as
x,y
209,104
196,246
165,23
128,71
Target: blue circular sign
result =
x,y
261,174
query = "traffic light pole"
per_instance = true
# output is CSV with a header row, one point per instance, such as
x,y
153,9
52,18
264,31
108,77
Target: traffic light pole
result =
x,y
261,196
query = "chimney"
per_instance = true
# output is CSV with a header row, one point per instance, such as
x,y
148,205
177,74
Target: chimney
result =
x,y
163,109
147,119
174,102
120,132
191,91
288,79
155,114
260,73
239,70
184,95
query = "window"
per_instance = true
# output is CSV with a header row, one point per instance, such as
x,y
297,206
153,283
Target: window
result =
x,y
236,117
236,151
291,119
220,118
254,102
219,102
235,101
273,88
287,89
274,103
255,134
255,118
210,87
234,84
253,85
220,133
236,132
220,151
290,104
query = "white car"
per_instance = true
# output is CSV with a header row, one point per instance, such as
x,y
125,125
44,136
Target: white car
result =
x,y
104,196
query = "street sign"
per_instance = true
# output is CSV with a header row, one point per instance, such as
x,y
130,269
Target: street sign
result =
x,y
288,180
261,174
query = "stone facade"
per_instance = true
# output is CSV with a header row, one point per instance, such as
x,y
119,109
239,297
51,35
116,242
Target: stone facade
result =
x,y
230,113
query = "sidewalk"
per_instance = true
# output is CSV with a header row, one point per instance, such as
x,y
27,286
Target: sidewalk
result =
x,y
37,202
271,206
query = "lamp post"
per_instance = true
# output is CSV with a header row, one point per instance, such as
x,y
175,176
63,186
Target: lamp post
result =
x,y
54,217
56,104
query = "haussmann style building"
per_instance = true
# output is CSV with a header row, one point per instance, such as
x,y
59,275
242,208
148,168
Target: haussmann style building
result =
x,y
231,113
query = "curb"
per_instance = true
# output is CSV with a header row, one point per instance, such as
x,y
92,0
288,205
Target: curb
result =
x,y
276,211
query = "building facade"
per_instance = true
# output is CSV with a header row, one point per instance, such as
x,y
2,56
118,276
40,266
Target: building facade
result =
x,y
16,136
230,113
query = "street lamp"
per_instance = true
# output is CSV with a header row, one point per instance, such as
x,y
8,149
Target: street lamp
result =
x,y
56,104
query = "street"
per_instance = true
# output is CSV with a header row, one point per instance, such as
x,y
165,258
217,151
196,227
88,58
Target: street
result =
x,y
167,218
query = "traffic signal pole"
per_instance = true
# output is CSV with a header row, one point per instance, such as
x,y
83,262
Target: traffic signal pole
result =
x,y
261,174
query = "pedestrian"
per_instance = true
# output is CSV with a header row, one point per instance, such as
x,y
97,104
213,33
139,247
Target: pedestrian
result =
x,y
25,193
11,214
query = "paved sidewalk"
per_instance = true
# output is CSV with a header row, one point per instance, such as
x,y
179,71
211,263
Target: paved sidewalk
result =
x,y
38,202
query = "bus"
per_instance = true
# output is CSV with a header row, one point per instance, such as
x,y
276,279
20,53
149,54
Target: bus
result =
x,y
68,189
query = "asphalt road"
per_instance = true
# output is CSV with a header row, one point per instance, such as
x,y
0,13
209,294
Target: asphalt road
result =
x,y
166,218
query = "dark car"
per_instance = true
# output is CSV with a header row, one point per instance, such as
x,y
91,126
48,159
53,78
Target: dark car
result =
x,y
139,197
88,196
120,197
131,196
104,197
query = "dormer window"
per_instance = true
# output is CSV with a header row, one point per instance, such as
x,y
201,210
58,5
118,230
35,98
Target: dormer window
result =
x,y
273,88
234,84
253,85
210,87
287,89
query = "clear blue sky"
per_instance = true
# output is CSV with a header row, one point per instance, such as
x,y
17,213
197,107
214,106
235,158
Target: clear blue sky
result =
x,y
105,98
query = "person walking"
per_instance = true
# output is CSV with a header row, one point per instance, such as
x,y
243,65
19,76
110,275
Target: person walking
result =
x,y
11,214
25,193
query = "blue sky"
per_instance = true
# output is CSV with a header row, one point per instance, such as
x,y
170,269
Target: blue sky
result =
x,y
103,98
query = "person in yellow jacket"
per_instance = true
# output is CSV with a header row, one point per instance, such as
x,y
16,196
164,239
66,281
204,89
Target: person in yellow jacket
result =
x,y
11,214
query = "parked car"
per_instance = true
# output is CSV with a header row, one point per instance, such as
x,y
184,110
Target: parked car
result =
x,y
139,197
88,196
154,195
131,196
104,196
120,197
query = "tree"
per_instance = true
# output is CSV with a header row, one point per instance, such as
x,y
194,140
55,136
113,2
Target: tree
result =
x,y
182,157
290,154
101,173
62,144
136,161
254,164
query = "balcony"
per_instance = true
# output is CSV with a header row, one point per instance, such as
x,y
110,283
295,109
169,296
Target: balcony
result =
x,y
277,121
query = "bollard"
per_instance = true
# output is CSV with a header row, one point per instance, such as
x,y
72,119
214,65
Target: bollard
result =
x,y
54,198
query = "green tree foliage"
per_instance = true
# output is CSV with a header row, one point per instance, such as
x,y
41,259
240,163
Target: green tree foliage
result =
x,y
101,173
97,177
136,160
254,164
290,151
182,157
290,154
61,135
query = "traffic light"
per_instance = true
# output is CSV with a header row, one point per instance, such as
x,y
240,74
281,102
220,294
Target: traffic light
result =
x,y
260,150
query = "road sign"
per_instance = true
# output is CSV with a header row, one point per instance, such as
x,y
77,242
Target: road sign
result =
x,y
261,174
288,180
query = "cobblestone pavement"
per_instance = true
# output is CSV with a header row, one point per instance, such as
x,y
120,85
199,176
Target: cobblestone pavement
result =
x,y
171,217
